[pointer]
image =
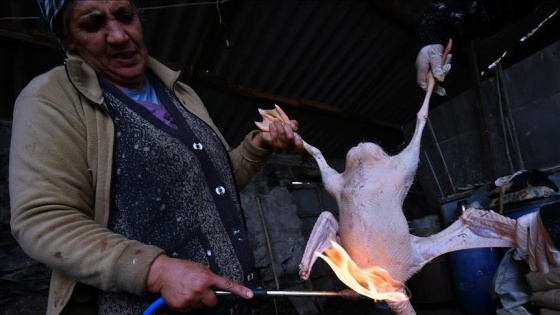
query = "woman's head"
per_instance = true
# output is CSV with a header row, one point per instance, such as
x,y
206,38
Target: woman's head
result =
x,y
107,34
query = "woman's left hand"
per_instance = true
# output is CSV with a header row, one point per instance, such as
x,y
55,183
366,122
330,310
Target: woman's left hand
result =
x,y
280,136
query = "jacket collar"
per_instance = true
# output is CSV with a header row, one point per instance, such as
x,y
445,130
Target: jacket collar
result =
x,y
85,80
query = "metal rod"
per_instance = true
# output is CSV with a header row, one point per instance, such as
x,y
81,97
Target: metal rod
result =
x,y
507,104
482,108
264,293
502,120
432,132
268,244
346,293
272,264
433,173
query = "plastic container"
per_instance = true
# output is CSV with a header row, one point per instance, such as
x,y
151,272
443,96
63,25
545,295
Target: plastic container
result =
x,y
515,214
433,284
472,272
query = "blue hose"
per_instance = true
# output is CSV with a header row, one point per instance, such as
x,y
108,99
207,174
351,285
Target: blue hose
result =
x,y
151,309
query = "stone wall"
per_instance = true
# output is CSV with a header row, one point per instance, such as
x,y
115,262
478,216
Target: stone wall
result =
x,y
281,207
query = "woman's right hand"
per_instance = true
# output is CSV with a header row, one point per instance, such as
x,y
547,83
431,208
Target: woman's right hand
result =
x,y
188,286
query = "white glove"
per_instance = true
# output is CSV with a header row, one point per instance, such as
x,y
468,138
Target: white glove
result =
x,y
535,245
430,58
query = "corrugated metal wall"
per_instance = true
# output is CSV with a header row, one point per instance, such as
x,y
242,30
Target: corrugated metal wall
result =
x,y
533,113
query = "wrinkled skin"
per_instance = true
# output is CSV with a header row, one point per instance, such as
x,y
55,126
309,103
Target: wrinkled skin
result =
x,y
373,229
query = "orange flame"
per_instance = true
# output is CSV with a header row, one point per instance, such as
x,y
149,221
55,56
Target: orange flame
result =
x,y
374,282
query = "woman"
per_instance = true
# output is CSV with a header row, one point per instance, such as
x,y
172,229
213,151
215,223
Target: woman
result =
x,y
119,180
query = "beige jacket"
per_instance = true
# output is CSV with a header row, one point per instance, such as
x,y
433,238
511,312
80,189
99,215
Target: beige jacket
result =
x,y
60,180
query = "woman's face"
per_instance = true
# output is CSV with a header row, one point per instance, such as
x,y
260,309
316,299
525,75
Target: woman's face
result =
x,y
107,34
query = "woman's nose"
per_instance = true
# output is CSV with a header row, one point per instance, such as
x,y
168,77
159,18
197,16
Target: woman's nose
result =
x,y
116,33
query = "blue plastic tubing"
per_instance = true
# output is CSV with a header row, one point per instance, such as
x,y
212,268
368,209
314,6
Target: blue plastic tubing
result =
x,y
151,309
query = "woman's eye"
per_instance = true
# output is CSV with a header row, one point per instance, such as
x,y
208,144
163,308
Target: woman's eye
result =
x,y
91,24
90,27
126,18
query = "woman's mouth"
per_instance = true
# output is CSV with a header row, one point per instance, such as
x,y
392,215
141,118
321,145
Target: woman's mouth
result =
x,y
126,59
125,56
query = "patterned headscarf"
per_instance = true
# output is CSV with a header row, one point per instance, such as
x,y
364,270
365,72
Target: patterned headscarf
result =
x,y
49,11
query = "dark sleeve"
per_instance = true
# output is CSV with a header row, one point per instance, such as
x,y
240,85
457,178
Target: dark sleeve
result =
x,y
545,290
465,20
550,215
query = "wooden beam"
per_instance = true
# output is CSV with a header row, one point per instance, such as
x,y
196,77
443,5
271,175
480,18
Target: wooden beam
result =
x,y
33,37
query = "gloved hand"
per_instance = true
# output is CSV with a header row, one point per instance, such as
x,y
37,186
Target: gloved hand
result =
x,y
546,288
535,245
430,58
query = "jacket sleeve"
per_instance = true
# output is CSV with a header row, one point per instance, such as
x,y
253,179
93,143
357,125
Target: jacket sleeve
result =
x,y
546,288
247,159
550,215
465,20
52,195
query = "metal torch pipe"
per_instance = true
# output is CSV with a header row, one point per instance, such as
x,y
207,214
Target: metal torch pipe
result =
x,y
347,293
265,293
